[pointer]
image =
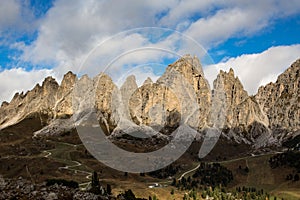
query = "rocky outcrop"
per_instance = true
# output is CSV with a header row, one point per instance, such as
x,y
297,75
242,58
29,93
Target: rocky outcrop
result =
x,y
240,108
237,111
23,189
155,105
127,90
63,106
41,99
186,79
103,90
148,81
180,96
49,101
281,100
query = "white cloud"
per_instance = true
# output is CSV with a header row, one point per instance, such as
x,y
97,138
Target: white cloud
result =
x,y
252,69
70,29
181,11
239,18
9,13
16,18
259,69
18,80
138,47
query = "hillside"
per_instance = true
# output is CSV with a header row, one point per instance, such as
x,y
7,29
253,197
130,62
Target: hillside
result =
x,y
39,139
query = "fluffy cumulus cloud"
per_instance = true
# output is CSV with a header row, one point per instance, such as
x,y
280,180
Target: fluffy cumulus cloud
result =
x,y
259,69
16,18
72,28
239,18
9,13
69,30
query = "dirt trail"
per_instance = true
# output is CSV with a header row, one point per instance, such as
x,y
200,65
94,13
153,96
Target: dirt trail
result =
x,y
75,164
189,171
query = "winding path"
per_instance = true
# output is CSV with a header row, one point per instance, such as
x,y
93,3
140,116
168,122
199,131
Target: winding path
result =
x,y
70,167
187,172
48,154
89,174
246,158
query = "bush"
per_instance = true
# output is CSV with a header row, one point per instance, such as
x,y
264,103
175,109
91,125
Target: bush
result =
x,y
129,195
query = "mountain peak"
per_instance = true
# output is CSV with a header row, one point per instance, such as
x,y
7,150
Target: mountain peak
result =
x,y
50,84
4,103
148,81
129,83
69,75
49,79
231,72
68,79
280,100
85,77
131,79
275,104
187,64
189,68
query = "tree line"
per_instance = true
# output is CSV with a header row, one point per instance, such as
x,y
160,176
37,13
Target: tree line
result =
x,y
206,175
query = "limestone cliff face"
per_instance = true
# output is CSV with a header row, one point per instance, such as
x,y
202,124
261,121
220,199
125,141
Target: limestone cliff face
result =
x,y
281,100
154,105
104,88
186,79
63,106
240,108
77,98
180,96
49,101
41,99
127,90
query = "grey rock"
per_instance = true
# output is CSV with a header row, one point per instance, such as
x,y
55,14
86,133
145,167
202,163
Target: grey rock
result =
x,y
180,96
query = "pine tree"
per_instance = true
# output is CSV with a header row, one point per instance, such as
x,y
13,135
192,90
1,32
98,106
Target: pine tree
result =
x,y
95,184
129,195
108,189
172,191
296,177
174,182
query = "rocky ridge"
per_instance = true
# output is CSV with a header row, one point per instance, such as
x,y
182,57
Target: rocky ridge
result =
x,y
281,100
181,95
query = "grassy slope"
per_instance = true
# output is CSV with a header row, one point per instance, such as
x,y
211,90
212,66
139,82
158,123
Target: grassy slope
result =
x,y
261,176
19,150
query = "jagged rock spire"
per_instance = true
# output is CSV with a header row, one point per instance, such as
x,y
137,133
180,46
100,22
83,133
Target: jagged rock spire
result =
x,y
276,105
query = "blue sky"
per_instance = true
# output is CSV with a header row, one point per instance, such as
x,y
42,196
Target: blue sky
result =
x,y
43,38
280,32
